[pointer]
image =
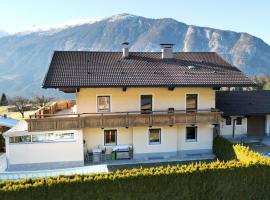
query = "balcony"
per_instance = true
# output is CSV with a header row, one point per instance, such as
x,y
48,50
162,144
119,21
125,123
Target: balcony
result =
x,y
57,119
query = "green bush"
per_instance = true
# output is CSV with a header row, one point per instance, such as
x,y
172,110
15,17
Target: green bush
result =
x,y
226,150
245,177
223,149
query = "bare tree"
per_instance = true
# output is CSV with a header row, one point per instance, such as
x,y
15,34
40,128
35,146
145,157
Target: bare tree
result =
x,y
42,100
21,104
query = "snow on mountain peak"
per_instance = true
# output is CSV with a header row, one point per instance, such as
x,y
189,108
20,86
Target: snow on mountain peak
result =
x,y
120,17
50,29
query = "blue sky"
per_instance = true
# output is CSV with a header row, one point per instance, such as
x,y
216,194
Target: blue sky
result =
x,y
239,15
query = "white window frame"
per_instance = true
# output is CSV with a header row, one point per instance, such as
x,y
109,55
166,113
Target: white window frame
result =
x,y
241,121
104,140
198,100
153,100
15,143
97,104
196,134
226,123
49,141
160,136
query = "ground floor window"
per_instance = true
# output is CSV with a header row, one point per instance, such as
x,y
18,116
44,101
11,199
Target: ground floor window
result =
x,y
53,137
64,136
228,121
20,139
239,120
110,137
43,137
191,133
155,136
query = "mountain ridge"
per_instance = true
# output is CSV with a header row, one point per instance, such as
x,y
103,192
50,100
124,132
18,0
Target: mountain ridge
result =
x,y
3,33
25,57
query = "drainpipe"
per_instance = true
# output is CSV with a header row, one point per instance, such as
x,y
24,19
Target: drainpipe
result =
x,y
233,127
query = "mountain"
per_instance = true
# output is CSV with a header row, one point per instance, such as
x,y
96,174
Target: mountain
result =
x,y
24,57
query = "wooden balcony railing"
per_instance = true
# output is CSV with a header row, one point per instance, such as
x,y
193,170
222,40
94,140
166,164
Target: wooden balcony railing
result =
x,y
53,108
50,122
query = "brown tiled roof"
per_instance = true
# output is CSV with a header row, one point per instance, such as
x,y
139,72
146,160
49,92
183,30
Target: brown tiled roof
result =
x,y
243,102
141,69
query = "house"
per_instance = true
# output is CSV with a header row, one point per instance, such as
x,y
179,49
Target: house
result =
x,y
27,107
245,113
136,105
6,123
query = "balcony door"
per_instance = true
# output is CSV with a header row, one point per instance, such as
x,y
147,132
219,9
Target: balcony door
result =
x,y
146,104
191,102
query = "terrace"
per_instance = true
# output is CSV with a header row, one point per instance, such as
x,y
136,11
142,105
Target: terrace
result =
x,y
63,116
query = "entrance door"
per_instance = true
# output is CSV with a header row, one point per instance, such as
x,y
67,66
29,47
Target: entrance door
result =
x,y
256,126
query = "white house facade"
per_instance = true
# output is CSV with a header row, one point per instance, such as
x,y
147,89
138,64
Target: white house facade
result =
x,y
130,105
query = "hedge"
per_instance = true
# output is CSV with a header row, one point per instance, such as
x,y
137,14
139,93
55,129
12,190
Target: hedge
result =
x,y
226,150
223,149
245,177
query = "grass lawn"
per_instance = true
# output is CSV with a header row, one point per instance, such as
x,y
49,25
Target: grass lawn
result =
x,y
113,168
14,115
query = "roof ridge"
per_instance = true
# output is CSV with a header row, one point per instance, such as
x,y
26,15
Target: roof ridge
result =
x,y
175,52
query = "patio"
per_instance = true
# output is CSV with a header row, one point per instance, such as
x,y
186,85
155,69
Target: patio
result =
x,y
180,156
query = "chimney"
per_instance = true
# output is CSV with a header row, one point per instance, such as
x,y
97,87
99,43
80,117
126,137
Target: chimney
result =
x,y
125,49
167,51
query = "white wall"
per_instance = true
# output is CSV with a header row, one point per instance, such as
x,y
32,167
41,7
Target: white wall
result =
x,y
204,138
267,125
3,162
46,152
172,138
141,140
94,137
129,100
228,129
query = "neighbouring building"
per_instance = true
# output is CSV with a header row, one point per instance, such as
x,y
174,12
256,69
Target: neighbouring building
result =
x,y
245,113
136,105
6,123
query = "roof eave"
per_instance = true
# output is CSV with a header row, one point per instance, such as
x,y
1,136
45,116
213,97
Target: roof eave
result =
x,y
163,85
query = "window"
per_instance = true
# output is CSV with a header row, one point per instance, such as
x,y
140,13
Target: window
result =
x,y
239,120
146,104
46,137
64,136
191,102
53,137
103,104
228,121
155,136
20,139
191,133
110,137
